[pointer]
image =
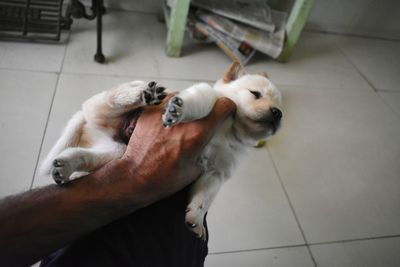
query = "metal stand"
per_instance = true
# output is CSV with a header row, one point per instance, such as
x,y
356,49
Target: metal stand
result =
x,y
31,19
77,10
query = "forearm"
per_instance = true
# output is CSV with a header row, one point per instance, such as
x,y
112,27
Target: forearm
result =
x,y
35,223
157,163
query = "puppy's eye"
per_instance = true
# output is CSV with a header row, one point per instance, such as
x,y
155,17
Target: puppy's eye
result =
x,y
256,94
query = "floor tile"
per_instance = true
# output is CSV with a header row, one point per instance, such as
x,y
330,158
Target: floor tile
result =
x,y
316,62
251,211
32,56
198,61
72,91
127,45
283,257
25,103
392,99
338,155
378,60
368,253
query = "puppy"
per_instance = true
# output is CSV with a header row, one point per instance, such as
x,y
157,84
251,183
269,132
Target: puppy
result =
x,y
258,116
100,132
92,137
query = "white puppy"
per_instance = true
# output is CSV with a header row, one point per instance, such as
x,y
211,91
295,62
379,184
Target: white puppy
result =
x,y
257,117
93,136
100,131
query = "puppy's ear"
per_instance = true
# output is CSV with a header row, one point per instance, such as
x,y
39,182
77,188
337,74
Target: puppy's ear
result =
x,y
234,71
263,73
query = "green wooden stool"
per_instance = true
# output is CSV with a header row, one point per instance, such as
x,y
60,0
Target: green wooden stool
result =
x,y
176,22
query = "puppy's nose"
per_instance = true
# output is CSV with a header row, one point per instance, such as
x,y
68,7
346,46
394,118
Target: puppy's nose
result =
x,y
276,113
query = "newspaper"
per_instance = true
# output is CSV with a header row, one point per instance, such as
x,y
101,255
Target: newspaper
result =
x,y
255,13
267,43
236,50
239,27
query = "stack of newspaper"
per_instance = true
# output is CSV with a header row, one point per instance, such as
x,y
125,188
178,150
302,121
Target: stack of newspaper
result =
x,y
239,27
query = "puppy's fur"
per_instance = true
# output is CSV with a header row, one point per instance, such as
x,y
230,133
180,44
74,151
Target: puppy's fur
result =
x,y
92,137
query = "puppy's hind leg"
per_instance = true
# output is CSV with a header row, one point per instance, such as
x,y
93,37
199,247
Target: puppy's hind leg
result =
x,y
69,138
193,103
202,194
84,159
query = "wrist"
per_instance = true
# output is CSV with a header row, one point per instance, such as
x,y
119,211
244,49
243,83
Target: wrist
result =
x,y
120,185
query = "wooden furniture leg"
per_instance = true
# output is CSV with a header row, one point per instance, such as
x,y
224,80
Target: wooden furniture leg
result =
x,y
176,27
295,24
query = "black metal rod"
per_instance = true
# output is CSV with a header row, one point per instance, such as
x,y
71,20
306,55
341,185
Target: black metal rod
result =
x,y
99,56
25,25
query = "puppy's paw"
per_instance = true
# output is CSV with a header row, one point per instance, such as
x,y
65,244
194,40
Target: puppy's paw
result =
x,y
61,171
173,111
194,219
153,94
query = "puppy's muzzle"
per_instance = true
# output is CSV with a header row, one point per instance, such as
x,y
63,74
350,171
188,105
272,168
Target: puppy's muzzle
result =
x,y
272,119
276,114
273,116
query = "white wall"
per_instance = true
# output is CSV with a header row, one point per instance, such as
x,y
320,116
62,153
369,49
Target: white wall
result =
x,y
378,18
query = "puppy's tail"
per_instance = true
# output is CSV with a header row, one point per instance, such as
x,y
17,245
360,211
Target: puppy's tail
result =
x,y
70,137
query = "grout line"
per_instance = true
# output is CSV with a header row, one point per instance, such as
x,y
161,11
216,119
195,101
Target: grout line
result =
x,y
108,74
113,75
292,207
141,76
188,79
27,70
44,132
363,36
329,88
256,249
392,109
308,245
47,121
375,89
355,240
311,255
356,67
362,75
388,90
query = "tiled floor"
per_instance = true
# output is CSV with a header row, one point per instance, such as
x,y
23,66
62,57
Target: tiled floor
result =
x,y
324,192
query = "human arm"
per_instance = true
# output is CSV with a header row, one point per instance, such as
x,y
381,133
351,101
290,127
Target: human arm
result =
x,y
158,162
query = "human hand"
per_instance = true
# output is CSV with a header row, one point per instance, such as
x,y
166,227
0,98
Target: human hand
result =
x,y
160,161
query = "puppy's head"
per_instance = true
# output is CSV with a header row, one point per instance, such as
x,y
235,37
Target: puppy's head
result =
x,y
258,103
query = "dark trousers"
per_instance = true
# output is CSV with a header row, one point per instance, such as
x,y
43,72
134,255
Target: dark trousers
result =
x,y
155,236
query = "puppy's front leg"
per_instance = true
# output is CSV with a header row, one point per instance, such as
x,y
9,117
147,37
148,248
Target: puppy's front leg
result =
x,y
191,104
202,194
